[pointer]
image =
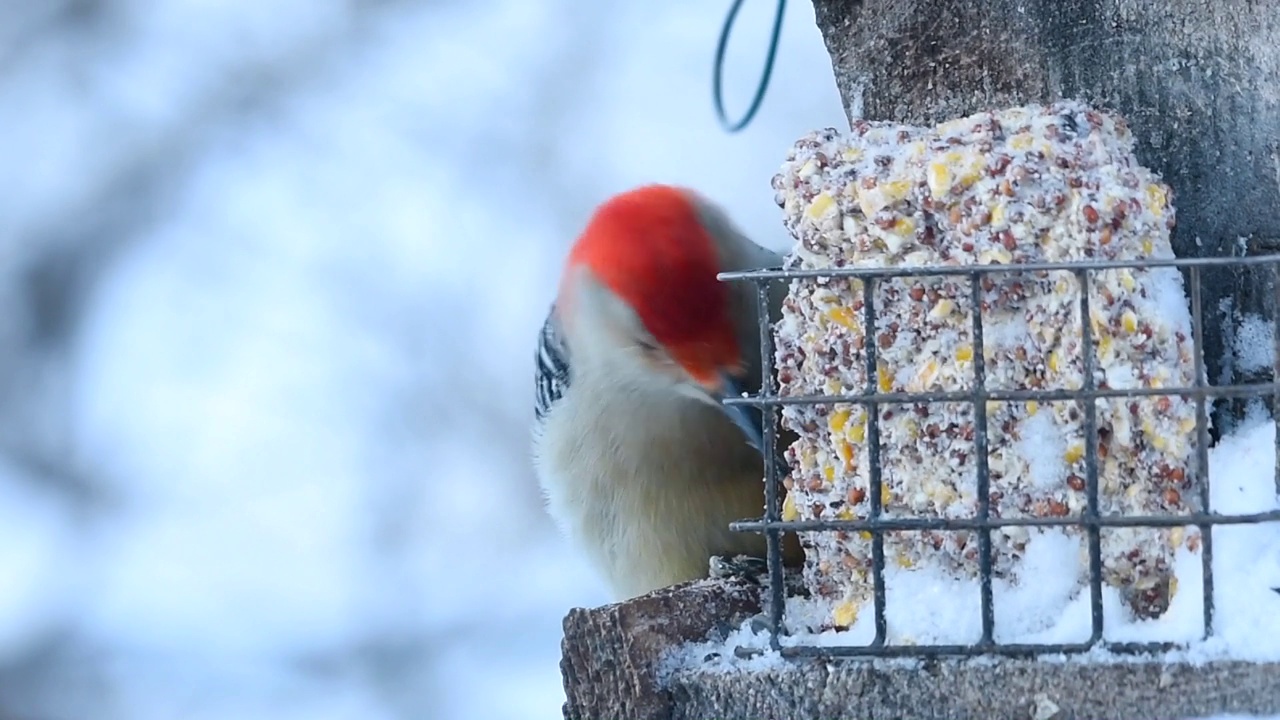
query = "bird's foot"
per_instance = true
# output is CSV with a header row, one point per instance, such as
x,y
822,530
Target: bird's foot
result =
x,y
752,569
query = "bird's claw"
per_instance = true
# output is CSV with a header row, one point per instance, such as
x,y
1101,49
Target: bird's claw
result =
x,y
752,569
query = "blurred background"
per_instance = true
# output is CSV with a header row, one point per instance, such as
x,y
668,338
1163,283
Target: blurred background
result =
x,y
271,275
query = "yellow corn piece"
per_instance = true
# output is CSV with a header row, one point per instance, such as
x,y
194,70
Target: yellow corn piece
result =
x,y
904,226
852,154
1104,346
885,495
1146,246
1156,199
939,178
1021,141
844,316
964,353
895,190
1126,280
789,512
905,562
1129,321
997,215
885,380
942,309
837,420
829,472
1075,451
928,373
822,205
845,614
1053,361
858,432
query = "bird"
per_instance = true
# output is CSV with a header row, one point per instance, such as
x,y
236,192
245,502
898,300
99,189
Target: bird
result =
x,y
640,464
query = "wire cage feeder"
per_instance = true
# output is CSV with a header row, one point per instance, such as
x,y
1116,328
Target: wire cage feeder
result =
x,y
1091,520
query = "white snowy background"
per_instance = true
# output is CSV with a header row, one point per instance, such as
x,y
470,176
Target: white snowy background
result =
x,y
271,275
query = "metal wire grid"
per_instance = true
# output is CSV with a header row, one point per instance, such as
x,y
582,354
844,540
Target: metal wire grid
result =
x,y
768,403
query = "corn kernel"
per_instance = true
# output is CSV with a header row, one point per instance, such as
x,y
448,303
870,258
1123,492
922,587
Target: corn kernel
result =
x,y
844,316
837,420
964,353
997,215
1032,407
969,166
1156,199
1129,321
1159,442
939,178
1186,425
996,255
905,562
942,309
789,512
845,513
1146,246
1075,451
1175,537
1126,280
904,226
896,190
829,473
858,432
928,373
852,154
822,205
845,452
1021,141
1173,586
885,380
885,495
1053,361
1104,346
845,614
864,534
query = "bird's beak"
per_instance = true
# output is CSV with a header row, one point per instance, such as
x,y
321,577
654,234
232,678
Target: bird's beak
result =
x,y
747,417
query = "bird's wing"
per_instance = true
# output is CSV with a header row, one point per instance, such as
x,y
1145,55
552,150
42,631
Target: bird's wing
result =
x,y
551,373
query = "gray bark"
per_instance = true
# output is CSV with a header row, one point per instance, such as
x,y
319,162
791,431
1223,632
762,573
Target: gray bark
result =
x,y
1197,80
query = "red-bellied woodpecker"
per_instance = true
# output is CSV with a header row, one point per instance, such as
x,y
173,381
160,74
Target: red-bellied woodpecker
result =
x,y
641,465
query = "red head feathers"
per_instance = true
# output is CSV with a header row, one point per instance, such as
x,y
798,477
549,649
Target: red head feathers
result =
x,y
649,247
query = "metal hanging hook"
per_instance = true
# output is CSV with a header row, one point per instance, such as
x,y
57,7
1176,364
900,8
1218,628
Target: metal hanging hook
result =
x,y
717,89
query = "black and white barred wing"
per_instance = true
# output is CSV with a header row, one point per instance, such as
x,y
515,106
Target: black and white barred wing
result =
x,y
551,374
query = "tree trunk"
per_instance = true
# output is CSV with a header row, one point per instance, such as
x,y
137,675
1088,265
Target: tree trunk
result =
x,y
1197,80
